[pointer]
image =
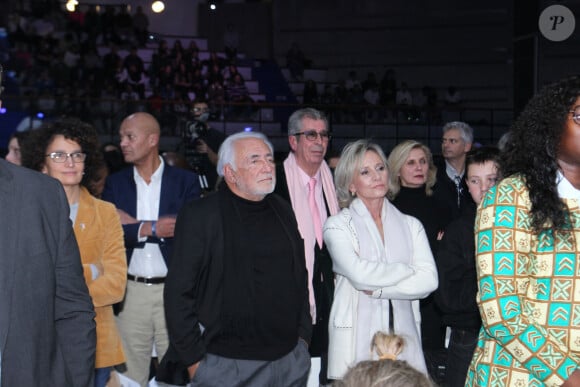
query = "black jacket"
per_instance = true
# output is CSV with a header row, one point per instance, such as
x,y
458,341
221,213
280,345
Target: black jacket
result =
x,y
457,275
445,192
193,290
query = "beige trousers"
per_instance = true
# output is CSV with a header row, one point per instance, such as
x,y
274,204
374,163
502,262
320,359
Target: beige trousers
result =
x,y
141,324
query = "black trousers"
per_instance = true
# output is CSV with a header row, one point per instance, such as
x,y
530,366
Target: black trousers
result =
x,y
436,361
323,285
319,348
462,343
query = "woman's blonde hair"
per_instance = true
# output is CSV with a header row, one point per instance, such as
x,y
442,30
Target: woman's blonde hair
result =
x,y
350,160
387,346
398,157
387,371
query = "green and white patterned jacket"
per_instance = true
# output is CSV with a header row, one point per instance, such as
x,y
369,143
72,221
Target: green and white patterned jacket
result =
x,y
529,293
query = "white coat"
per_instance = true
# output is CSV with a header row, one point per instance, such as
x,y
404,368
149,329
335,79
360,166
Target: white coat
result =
x,y
410,278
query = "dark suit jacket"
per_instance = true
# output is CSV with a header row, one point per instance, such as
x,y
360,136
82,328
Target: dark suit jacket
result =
x,y
47,331
178,187
193,287
445,192
456,295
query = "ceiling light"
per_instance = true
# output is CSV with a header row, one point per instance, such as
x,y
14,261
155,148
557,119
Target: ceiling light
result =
x,y
158,6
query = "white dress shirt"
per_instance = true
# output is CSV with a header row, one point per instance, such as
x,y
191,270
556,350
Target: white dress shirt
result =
x,y
148,261
565,189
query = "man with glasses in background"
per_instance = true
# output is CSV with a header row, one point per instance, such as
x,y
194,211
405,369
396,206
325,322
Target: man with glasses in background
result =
x,y
305,180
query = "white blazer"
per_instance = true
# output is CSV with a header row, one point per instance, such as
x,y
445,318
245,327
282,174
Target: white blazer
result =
x,y
411,278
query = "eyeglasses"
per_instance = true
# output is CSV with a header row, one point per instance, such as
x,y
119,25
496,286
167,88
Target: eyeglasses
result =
x,y
62,157
312,135
576,115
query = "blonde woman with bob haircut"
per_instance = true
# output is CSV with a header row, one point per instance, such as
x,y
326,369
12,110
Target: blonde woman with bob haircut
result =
x,y
382,262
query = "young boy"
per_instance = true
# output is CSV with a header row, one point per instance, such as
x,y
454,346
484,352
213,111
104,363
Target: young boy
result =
x,y
456,266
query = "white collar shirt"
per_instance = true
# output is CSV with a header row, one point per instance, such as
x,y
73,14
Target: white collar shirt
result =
x,y
148,261
565,189
452,172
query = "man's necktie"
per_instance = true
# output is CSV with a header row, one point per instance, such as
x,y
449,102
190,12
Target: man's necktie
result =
x,y
459,189
314,211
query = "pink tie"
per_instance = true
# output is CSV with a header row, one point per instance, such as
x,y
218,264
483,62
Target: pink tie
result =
x,y
314,210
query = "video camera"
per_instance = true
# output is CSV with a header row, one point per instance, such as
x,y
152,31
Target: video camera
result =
x,y
195,130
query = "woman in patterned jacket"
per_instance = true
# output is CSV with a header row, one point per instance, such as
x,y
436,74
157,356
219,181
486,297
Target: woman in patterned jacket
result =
x,y
527,247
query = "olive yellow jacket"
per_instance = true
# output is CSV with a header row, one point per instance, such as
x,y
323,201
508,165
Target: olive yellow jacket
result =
x,y
99,235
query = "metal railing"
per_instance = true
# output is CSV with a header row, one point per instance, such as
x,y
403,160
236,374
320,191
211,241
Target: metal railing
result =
x,y
386,125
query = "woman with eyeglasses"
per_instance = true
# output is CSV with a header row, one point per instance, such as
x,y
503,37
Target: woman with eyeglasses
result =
x,y
527,241
67,150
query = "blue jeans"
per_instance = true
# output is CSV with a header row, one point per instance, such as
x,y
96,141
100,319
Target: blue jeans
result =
x,y
102,376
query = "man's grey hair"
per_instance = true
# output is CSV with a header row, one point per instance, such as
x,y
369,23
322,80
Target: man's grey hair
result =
x,y
466,130
227,153
295,120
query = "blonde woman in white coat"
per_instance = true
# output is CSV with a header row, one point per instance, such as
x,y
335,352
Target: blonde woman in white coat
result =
x,y
382,261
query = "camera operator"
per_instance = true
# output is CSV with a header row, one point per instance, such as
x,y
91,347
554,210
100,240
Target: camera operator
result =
x,y
202,145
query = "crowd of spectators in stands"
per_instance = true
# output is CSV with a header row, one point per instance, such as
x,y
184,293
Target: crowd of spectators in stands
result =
x,y
74,64
375,101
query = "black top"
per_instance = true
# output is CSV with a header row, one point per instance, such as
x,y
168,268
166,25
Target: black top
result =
x,y
261,300
195,286
415,202
445,192
434,217
457,275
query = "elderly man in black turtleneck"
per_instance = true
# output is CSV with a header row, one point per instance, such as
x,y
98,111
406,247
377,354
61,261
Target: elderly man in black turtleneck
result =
x,y
236,295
